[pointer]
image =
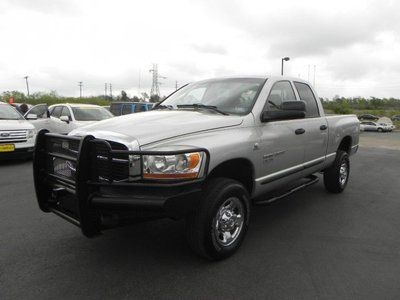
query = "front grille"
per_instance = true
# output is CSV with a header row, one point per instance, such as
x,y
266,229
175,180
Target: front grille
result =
x,y
63,146
65,168
13,136
107,168
62,156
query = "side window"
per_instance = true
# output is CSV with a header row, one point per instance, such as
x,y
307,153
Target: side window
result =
x,y
39,110
308,97
127,109
56,112
281,91
66,112
115,109
140,107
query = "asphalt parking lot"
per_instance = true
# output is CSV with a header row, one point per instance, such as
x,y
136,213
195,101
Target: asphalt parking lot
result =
x,y
308,245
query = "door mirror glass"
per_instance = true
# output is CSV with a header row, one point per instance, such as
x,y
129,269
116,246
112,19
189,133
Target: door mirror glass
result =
x,y
288,110
31,117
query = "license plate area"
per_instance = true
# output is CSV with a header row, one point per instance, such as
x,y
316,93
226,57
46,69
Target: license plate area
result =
x,y
7,148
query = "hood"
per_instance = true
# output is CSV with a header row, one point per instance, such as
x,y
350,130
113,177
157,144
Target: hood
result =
x,y
15,125
153,126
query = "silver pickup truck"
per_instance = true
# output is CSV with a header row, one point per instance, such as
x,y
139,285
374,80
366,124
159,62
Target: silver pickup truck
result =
x,y
209,153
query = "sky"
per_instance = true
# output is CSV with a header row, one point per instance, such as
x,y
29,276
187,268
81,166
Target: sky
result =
x,y
353,46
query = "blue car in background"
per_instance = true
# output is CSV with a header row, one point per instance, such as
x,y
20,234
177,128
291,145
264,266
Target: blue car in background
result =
x,y
125,108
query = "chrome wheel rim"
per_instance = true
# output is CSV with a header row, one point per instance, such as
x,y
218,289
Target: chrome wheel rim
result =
x,y
343,173
228,222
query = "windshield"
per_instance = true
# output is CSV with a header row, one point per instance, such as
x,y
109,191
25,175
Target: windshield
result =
x,y
8,112
231,96
91,113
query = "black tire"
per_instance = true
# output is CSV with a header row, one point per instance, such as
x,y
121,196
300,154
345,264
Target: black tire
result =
x,y
334,180
380,129
201,231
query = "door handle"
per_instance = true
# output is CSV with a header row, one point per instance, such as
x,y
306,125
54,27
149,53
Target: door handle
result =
x,y
300,131
323,127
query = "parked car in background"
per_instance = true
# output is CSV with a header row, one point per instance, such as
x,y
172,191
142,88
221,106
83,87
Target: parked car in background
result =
x,y
373,126
388,125
125,108
62,118
396,118
17,135
368,117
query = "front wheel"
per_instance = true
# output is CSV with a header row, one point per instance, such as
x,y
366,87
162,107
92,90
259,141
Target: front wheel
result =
x,y
217,229
380,129
337,175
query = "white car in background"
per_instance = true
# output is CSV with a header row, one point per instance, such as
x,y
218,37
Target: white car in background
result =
x,y
63,118
17,136
373,126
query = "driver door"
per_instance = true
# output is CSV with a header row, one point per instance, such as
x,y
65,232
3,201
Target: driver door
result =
x,y
282,145
43,117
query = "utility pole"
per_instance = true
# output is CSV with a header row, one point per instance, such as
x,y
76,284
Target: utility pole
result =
x,y
111,91
80,84
155,86
105,91
308,78
27,85
176,85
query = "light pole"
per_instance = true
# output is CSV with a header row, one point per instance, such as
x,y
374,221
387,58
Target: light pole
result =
x,y
27,85
284,59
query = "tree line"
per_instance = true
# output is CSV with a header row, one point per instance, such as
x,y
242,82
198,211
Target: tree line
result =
x,y
54,98
379,106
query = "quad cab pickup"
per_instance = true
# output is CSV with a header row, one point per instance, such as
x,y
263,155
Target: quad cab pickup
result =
x,y
209,153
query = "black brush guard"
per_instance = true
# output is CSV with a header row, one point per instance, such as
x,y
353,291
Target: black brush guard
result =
x,y
88,191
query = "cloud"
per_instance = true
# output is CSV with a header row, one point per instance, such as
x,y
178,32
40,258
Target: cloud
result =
x,y
45,6
60,42
210,48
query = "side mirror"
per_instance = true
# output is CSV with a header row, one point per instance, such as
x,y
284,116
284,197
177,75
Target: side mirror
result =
x,y
289,110
31,117
64,119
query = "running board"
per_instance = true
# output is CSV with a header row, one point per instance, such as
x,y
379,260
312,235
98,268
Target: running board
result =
x,y
312,180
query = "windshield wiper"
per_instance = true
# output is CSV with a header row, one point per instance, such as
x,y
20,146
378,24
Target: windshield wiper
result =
x,y
197,106
162,106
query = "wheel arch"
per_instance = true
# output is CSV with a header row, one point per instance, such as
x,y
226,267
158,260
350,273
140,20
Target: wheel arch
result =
x,y
345,144
240,169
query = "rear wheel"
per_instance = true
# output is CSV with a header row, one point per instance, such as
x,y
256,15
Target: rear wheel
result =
x,y
217,229
337,176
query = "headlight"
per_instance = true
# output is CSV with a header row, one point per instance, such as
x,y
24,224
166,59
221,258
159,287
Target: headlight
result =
x,y
179,166
31,133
